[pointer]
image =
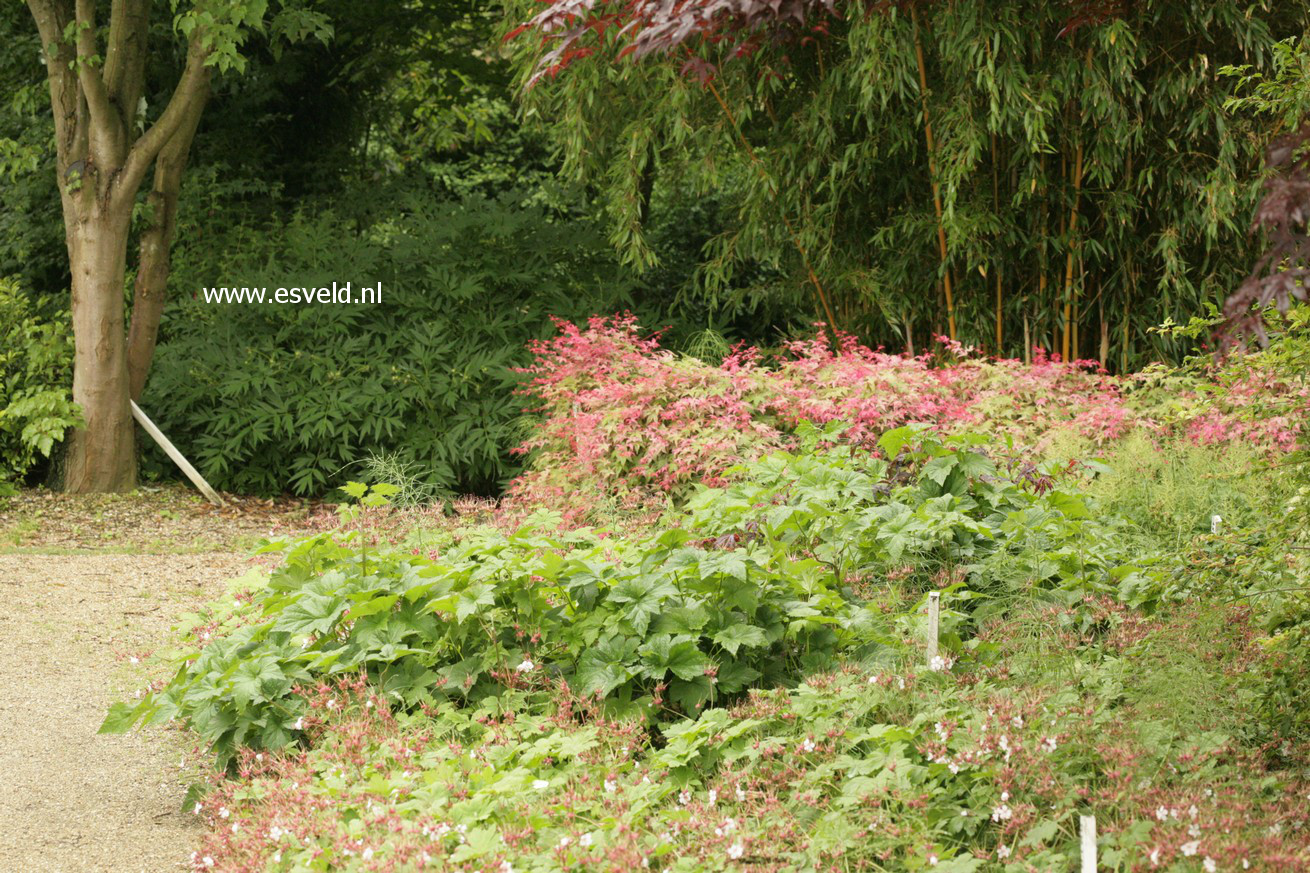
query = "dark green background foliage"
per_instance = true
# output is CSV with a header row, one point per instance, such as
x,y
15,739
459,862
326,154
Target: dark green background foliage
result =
x,y
35,402
835,126
271,396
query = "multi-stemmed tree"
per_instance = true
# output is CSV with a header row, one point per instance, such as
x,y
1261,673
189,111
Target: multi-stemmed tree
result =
x,y
109,143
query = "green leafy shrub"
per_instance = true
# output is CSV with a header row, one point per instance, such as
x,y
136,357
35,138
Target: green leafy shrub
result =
x,y
756,584
36,407
274,397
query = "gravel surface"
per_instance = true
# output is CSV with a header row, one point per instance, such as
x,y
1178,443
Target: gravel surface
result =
x,y
70,799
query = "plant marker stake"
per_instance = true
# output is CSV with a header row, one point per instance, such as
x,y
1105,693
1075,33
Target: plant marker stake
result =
x,y
171,450
1215,521
1088,823
934,618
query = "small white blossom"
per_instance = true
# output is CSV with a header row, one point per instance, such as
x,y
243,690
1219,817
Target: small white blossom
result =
x,y
808,745
1208,865
1002,851
332,704
584,841
1155,857
1002,813
367,854
526,666
1048,744
540,784
932,860
611,786
506,867
736,850
741,796
222,812
1190,849
713,796
208,861
1162,814
684,797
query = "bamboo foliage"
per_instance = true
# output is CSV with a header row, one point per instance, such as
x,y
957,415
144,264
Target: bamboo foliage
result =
x,y
1052,178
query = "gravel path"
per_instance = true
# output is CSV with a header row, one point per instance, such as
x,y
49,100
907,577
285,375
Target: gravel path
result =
x,y
70,799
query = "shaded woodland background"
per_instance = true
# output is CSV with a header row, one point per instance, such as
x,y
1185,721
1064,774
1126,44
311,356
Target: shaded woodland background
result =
x,y
1096,180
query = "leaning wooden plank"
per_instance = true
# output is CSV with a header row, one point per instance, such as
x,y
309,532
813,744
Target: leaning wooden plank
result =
x,y
171,450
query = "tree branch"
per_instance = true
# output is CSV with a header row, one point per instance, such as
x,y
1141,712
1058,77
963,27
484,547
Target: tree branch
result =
x,y
192,90
125,57
51,17
104,118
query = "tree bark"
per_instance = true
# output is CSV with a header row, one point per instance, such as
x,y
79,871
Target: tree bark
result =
x,y
102,455
150,291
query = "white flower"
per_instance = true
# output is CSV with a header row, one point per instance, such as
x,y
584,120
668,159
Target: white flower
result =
x,y
222,812
932,860
506,867
277,857
611,786
736,850
1193,811
1005,795
1194,830
1002,851
540,784
134,660
941,731
808,745
1002,813
1155,857
1208,865
196,811
1017,721
367,853
1246,865
584,841
564,841
208,861
1190,849
236,826
901,682
1162,814
713,796
526,666
741,796
684,797
937,664
300,723
1048,744
332,704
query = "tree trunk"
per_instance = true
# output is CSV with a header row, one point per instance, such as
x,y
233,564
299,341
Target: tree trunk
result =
x,y
102,455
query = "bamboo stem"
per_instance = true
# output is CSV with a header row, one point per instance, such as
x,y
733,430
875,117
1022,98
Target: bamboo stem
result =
x,y
1073,232
997,266
932,175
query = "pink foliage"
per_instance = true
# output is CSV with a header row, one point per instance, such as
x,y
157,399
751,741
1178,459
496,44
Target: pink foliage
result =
x,y
628,421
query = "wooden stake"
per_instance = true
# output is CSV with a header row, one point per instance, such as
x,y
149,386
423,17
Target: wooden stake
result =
x,y
1088,832
172,452
934,622
932,175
